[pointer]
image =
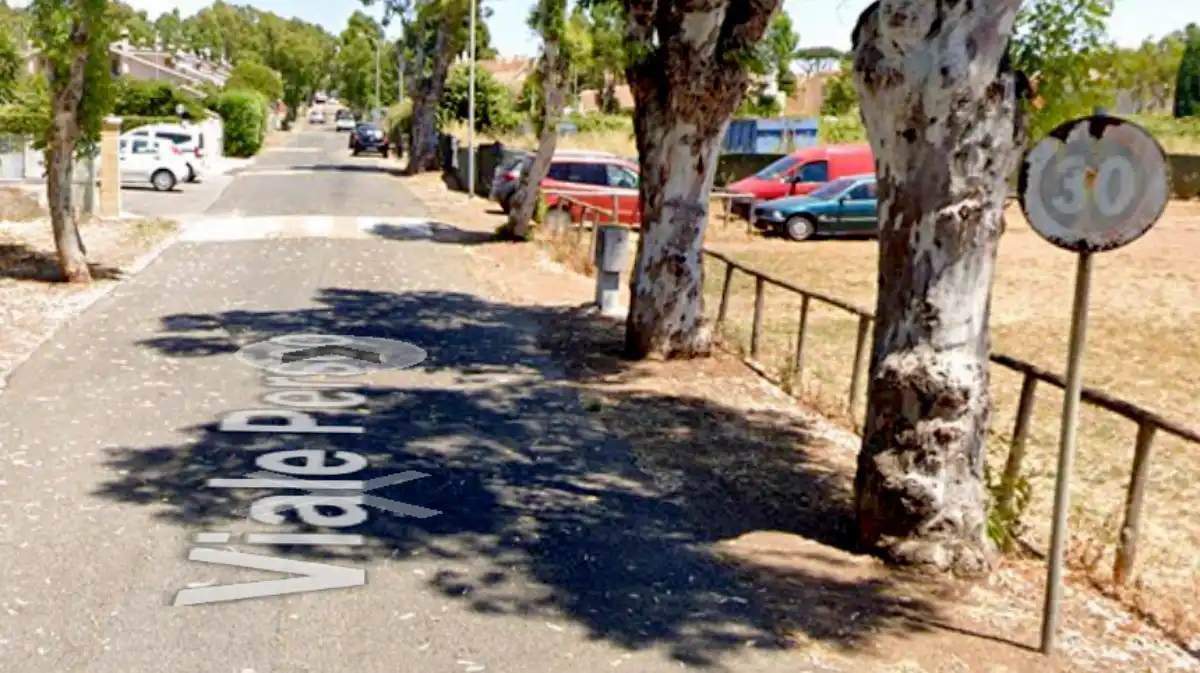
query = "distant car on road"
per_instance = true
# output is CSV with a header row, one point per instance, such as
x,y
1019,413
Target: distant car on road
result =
x,y
369,138
316,116
343,120
150,160
320,97
846,206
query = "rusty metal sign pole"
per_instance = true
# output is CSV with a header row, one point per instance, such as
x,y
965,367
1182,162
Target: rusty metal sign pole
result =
x,y
1093,184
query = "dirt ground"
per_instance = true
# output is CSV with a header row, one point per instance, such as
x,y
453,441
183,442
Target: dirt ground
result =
x,y
1141,347
738,450
33,301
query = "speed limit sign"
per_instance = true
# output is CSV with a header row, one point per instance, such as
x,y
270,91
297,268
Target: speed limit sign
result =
x,y
1094,184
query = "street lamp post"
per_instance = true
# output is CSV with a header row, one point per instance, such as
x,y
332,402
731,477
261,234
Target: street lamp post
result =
x,y
471,111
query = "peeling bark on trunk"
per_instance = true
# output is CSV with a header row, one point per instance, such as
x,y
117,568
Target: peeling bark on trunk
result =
x,y
940,105
423,145
525,200
60,159
686,88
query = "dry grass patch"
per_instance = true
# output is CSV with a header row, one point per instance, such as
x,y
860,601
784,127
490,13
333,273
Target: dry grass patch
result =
x,y
34,301
19,205
1141,346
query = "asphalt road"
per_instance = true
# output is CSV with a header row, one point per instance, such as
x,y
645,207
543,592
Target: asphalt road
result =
x,y
548,551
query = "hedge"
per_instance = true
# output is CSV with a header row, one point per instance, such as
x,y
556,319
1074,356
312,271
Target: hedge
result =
x,y
244,114
132,122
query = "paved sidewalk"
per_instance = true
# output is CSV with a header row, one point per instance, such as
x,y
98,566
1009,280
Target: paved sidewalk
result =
x,y
551,552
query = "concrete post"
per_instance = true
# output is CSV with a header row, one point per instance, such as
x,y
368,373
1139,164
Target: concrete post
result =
x,y
110,168
612,255
89,186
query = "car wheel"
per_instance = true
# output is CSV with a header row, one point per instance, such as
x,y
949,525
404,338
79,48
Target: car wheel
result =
x,y
354,151
191,176
163,180
799,228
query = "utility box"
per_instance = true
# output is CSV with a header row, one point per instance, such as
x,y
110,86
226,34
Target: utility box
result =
x,y
612,256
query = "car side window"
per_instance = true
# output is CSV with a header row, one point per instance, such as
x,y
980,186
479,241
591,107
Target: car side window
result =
x,y
174,137
588,174
559,172
815,171
620,177
142,147
861,192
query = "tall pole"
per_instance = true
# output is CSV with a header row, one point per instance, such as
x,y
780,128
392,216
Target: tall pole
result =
x,y
378,100
471,111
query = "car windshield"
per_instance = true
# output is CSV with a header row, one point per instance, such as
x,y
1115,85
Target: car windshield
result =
x,y
832,189
777,168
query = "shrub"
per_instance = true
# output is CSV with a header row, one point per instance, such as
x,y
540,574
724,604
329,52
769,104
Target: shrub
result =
x,y
244,114
1187,87
494,110
131,122
398,123
601,123
136,98
252,76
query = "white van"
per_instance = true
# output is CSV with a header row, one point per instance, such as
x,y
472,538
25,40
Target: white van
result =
x,y
189,140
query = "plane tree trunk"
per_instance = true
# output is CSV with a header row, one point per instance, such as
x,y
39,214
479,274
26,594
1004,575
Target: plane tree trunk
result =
x,y
941,108
423,145
688,80
554,98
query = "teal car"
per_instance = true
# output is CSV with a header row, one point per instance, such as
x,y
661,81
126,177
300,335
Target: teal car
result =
x,y
847,206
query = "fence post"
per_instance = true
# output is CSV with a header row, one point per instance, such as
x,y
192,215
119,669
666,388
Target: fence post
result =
x,y
756,330
725,290
801,335
860,356
616,208
1131,530
1016,451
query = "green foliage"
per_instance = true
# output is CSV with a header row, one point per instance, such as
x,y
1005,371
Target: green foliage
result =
x,y
1009,502
840,96
137,121
1187,88
841,130
779,50
11,61
494,110
255,76
601,123
1055,44
56,28
399,121
244,114
137,98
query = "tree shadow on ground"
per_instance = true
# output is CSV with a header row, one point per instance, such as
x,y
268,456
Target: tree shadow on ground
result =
x,y
438,232
549,507
19,261
346,168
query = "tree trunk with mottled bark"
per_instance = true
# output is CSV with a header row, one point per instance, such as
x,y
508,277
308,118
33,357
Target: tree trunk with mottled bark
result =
x,y
423,145
941,108
554,98
60,163
688,81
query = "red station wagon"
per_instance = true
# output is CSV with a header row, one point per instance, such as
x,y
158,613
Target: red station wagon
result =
x,y
594,178
805,170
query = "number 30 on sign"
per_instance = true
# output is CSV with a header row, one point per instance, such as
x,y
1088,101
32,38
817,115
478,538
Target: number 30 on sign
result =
x,y
1094,184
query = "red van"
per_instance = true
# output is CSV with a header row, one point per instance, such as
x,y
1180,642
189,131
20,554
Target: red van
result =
x,y
805,170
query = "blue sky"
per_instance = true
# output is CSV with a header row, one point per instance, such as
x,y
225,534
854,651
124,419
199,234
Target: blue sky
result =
x,y
819,22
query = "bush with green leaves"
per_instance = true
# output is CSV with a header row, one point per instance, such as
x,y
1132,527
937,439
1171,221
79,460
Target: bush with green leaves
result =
x,y
254,76
398,122
494,111
244,114
138,98
1187,87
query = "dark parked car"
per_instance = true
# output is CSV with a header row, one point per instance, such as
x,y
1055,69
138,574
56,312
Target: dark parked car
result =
x,y
847,206
369,138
